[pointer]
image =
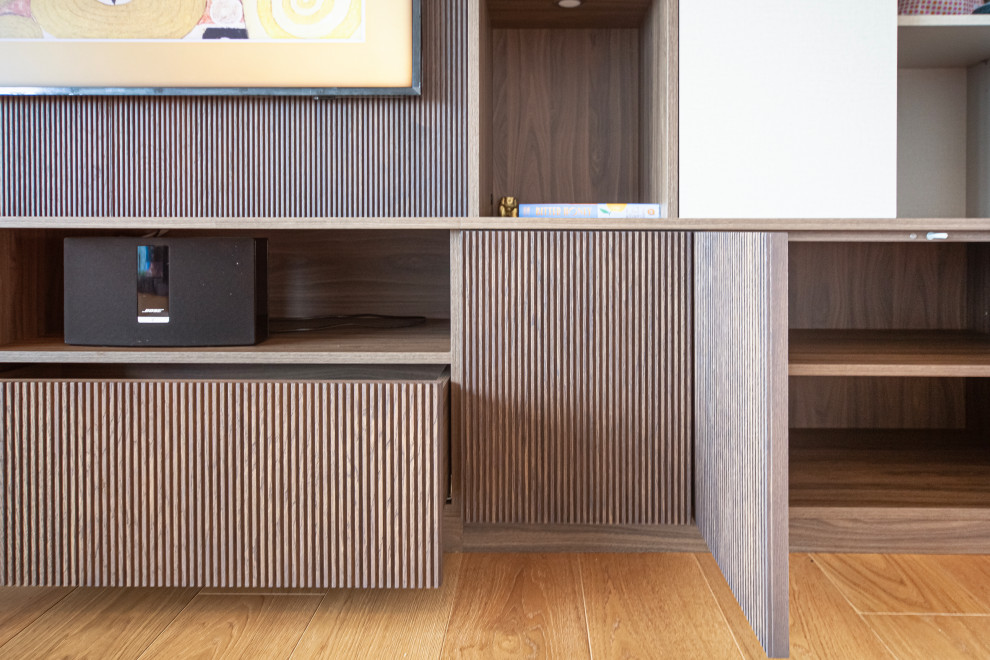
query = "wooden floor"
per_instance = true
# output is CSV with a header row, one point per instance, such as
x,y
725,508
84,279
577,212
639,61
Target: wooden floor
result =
x,y
520,606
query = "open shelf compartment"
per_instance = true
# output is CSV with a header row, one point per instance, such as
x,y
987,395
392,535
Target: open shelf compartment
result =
x,y
404,273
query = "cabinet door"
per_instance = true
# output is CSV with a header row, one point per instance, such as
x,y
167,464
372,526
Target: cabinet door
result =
x,y
577,378
741,420
788,109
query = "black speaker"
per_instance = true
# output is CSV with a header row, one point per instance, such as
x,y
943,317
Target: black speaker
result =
x,y
166,291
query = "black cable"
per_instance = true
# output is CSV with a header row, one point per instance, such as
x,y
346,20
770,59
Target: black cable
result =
x,y
313,323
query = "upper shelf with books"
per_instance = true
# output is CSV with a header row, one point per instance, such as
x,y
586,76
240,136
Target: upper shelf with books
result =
x,y
942,41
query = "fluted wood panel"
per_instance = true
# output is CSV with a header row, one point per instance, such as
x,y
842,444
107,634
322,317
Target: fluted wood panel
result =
x,y
577,377
224,484
230,156
741,420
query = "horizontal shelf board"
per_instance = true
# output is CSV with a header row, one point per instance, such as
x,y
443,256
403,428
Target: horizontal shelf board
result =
x,y
225,372
889,468
428,343
924,353
942,41
807,229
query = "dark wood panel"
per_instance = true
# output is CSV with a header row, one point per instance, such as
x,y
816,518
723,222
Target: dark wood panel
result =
x,y
30,284
566,115
359,272
251,157
591,14
862,402
582,538
225,484
576,400
741,420
938,530
876,468
878,286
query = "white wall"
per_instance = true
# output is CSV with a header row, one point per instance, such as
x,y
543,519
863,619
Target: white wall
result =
x,y
788,108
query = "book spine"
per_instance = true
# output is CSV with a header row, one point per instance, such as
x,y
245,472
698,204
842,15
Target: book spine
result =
x,y
591,211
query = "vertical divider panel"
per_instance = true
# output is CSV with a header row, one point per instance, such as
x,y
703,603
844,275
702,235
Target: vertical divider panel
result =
x,y
741,499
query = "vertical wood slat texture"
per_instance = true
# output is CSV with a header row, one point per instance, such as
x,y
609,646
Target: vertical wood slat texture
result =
x,y
741,420
236,156
222,483
658,118
576,400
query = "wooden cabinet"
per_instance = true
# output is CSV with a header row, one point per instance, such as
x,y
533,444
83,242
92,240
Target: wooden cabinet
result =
x,y
788,110
263,477
272,465
889,361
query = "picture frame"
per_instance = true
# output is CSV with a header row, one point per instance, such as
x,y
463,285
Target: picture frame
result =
x,y
256,47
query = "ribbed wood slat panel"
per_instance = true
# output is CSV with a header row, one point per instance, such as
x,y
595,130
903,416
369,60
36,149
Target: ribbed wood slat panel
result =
x,y
577,377
224,484
741,420
230,156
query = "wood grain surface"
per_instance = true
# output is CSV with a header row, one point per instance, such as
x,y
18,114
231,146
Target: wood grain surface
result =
x,y
424,343
566,115
890,529
597,14
576,399
878,286
652,606
865,402
235,627
876,468
20,606
519,606
943,637
322,273
572,537
100,623
213,483
740,470
952,353
823,623
382,624
658,75
899,584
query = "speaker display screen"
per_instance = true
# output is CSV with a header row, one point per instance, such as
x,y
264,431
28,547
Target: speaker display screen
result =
x,y
152,284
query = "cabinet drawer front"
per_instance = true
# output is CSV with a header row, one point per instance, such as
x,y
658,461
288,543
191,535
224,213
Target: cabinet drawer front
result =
x,y
577,401
222,483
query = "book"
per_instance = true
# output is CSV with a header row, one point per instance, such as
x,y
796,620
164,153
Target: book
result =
x,y
592,211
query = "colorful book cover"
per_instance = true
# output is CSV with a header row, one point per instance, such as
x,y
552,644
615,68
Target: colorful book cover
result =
x,y
592,211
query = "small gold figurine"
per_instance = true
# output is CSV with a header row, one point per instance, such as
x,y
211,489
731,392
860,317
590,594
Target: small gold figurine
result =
x,y
508,207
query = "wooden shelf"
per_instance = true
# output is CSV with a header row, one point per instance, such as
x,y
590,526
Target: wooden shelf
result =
x,y
942,41
889,468
428,343
929,353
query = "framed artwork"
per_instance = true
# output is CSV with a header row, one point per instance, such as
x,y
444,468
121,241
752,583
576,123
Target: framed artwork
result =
x,y
188,47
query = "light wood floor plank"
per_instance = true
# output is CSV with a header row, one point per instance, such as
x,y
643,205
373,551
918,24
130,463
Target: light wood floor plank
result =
x,y
902,584
99,623
973,571
652,606
236,627
19,606
749,645
355,623
913,637
518,606
823,625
